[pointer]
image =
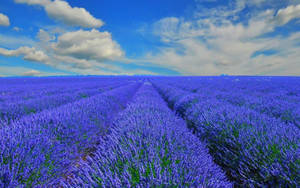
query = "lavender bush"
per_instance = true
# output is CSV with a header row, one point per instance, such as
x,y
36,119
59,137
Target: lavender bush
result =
x,y
254,149
13,109
39,147
148,147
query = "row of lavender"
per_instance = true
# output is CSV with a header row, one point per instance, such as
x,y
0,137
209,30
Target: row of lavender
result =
x,y
14,89
279,86
277,97
14,109
284,89
148,147
252,146
37,148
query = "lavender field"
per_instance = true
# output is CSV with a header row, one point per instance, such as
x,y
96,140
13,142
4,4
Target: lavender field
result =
x,y
139,131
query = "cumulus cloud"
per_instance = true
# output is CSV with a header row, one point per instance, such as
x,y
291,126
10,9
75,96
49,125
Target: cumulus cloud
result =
x,y
4,20
61,10
81,51
285,15
88,45
30,54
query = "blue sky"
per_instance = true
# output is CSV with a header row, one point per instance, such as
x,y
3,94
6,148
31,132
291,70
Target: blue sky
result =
x,y
136,37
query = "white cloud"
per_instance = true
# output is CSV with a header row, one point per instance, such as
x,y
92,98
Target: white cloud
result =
x,y
91,67
44,36
61,10
244,3
30,54
88,45
219,56
11,41
74,62
4,20
34,2
81,51
38,56
172,28
32,73
214,45
17,29
167,28
23,71
256,26
287,14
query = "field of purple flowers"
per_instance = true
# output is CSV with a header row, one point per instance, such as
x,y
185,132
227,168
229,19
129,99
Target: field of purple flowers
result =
x,y
150,132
